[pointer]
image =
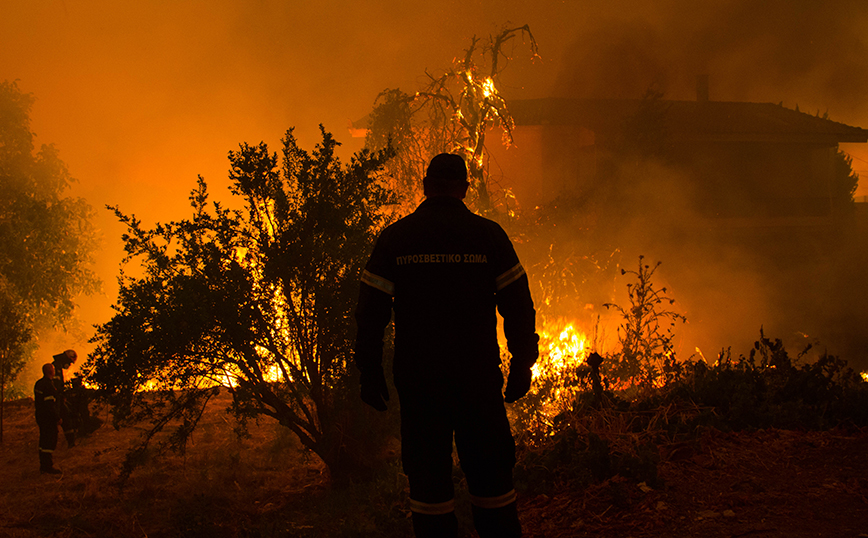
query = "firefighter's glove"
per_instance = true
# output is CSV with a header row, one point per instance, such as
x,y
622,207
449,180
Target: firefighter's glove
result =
x,y
374,390
517,384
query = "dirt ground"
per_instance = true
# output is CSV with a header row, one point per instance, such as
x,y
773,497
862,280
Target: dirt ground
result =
x,y
220,485
771,483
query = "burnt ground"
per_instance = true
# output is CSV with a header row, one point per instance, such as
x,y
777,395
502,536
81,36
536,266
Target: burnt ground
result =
x,y
769,483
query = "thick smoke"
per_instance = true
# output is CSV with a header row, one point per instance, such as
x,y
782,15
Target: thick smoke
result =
x,y
806,52
802,286
141,97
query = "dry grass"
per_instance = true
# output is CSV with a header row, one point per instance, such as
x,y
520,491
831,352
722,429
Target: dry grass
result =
x,y
223,486
774,482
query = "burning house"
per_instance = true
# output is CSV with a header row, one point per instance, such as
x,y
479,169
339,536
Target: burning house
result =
x,y
749,204
752,164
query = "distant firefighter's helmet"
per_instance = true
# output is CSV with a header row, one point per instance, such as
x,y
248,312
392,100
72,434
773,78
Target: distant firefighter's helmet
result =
x,y
66,358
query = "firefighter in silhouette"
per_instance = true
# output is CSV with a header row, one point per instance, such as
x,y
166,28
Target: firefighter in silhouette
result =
x,y
45,396
445,272
62,361
78,401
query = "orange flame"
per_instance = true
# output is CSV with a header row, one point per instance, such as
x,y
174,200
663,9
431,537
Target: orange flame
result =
x,y
488,87
564,351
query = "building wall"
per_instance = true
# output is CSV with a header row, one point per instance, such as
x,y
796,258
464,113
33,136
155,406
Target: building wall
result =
x,y
762,181
544,162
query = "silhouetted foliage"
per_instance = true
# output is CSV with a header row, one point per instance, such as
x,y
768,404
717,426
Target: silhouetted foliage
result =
x,y
768,389
46,239
15,334
647,354
765,389
845,181
258,300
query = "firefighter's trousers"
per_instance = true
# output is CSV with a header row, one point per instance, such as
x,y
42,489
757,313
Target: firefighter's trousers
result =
x,y
470,407
47,444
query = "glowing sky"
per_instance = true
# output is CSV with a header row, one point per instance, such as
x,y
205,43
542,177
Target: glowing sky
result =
x,y
141,97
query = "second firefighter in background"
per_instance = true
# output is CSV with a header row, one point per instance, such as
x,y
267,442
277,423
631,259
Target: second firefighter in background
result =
x,y
45,398
62,361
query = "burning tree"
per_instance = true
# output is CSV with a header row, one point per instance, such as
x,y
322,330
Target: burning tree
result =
x,y
258,301
451,113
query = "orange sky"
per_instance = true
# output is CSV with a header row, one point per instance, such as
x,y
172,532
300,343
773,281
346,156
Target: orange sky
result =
x,y
141,97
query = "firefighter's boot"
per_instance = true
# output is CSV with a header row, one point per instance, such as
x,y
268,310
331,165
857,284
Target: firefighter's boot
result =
x,y
499,522
46,464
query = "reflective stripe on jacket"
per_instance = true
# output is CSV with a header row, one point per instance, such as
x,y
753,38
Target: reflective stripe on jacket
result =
x,y
445,272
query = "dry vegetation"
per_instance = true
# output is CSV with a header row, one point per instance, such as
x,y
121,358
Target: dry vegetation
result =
x,y
221,486
769,483
765,483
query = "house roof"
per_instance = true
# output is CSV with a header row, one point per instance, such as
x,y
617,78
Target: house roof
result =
x,y
688,120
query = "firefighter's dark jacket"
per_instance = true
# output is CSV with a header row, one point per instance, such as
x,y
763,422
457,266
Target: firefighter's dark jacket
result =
x,y
45,397
444,270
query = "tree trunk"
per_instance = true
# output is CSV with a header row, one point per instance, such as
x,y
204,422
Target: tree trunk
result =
x,y
2,405
354,445
346,463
